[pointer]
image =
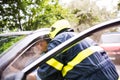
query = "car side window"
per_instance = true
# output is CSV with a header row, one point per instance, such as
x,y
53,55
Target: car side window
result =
x,y
27,56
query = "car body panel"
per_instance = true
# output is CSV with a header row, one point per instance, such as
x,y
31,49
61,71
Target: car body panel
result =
x,y
111,43
111,47
16,33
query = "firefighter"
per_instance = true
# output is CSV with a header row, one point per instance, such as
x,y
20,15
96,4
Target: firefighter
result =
x,y
82,61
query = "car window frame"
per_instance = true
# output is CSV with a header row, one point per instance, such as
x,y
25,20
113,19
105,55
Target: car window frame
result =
x,y
5,59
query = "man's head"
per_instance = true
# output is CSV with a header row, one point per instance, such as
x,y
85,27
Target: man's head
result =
x,y
58,27
42,43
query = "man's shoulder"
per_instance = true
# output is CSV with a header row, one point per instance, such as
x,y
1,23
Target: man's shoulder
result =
x,y
69,33
64,36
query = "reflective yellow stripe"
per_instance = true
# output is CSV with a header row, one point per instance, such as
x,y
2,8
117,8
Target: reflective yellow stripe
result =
x,y
54,63
80,57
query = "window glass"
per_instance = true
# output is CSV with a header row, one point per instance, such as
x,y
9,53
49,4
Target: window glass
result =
x,y
30,54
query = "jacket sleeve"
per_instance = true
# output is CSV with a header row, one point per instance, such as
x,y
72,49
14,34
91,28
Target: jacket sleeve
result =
x,y
47,72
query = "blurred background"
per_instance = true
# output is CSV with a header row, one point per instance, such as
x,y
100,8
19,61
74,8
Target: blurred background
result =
x,y
24,15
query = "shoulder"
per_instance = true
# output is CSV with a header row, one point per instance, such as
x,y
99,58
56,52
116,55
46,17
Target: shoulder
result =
x,y
65,35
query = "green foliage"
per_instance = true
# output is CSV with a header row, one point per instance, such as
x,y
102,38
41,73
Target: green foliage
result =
x,y
46,13
88,13
30,14
85,17
119,5
10,17
6,42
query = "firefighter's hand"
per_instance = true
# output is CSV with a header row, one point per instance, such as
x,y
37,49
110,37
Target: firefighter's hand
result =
x,y
31,76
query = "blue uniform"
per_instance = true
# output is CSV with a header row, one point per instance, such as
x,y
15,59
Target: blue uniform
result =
x,y
83,61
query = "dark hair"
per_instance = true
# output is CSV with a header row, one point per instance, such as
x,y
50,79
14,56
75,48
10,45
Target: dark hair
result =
x,y
44,37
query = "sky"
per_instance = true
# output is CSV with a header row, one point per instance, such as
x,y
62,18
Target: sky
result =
x,y
109,4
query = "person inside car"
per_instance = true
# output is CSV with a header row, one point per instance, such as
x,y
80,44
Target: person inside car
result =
x,y
37,49
40,48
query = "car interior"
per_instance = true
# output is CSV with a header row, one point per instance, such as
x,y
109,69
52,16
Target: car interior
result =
x,y
27,56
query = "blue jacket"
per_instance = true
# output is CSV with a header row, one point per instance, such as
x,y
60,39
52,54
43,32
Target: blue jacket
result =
x,y
83,61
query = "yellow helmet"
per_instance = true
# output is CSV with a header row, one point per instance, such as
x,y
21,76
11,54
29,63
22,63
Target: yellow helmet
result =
x,y
58,26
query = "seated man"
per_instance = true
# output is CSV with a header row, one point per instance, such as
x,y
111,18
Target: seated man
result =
x,y
41,45
34,52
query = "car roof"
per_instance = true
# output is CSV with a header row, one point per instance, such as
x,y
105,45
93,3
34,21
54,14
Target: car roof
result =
x,y
22,32
15,33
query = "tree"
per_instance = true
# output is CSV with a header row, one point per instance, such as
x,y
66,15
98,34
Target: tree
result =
x,y
88,14
30,14
119,5
10,14
45,14
84,12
